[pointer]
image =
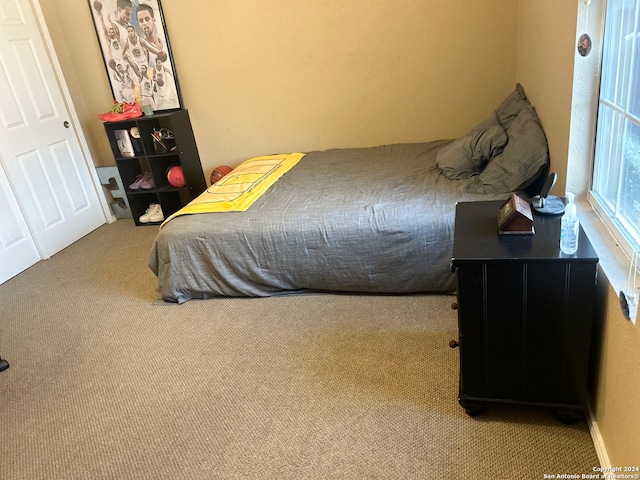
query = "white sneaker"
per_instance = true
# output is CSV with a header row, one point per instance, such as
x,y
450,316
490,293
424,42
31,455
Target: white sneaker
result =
x,y
153,214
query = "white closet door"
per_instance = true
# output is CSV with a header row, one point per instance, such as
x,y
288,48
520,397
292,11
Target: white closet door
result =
x,y
39,148
17,249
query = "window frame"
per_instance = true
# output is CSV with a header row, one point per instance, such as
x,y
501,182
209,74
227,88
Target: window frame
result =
x,y
626,233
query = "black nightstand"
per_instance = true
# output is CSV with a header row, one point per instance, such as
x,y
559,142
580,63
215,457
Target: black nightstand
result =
x,y
525,313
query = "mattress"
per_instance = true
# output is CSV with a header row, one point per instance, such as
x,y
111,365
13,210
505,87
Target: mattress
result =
x,y
370,220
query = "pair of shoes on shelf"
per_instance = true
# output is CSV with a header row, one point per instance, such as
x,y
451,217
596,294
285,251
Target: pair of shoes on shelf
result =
x,y
121,111
143,181
153,214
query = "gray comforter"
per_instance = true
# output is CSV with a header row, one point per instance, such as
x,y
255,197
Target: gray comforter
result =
x,y
376,220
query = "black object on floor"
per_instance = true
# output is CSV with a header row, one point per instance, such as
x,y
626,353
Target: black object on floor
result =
x,y
3,365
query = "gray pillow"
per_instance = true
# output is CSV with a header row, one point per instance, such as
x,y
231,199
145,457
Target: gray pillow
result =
x,y
524,155
511,107
467,156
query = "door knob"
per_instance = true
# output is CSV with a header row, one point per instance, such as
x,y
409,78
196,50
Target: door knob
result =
x,y
66,124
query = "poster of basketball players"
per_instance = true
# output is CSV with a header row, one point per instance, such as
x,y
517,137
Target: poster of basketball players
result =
x,y
134,43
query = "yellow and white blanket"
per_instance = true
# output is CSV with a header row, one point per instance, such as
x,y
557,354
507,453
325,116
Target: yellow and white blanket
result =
x,y
237,191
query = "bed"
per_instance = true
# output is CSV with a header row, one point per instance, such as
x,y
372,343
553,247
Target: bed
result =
x,y
369,220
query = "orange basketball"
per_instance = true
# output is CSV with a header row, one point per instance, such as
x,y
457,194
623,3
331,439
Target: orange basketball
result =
x,y
219,172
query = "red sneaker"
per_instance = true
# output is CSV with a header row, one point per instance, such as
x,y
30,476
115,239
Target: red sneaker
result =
x,y
121,111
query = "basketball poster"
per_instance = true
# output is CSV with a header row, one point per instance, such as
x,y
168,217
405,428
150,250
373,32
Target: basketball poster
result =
x,y
136,51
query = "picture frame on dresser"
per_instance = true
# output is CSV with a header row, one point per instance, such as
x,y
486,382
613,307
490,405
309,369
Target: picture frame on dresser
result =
x,y
137,54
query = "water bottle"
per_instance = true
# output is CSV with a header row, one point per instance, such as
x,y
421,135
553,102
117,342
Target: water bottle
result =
x,y
570,227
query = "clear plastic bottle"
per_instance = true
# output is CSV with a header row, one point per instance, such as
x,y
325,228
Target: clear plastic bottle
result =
x,y
570,227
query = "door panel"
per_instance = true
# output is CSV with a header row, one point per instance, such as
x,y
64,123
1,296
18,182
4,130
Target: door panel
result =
x,y
10,115
30,72
17,249
45,204
39,150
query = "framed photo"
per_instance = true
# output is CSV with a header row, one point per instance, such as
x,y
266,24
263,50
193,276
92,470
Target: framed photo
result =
x,y
136,52
515,217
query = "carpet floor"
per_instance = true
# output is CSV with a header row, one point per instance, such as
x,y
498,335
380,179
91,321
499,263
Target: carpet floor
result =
x,y
108,382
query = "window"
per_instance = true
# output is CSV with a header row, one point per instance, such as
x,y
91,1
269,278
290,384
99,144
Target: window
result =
x,y
616,181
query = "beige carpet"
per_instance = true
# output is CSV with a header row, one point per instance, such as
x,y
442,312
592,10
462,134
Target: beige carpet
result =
x,y
105,382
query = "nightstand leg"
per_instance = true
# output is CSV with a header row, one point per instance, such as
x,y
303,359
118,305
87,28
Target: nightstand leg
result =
x,y
472,409
568,417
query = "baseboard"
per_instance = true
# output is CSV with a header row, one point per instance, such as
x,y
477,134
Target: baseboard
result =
x,y
598,442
